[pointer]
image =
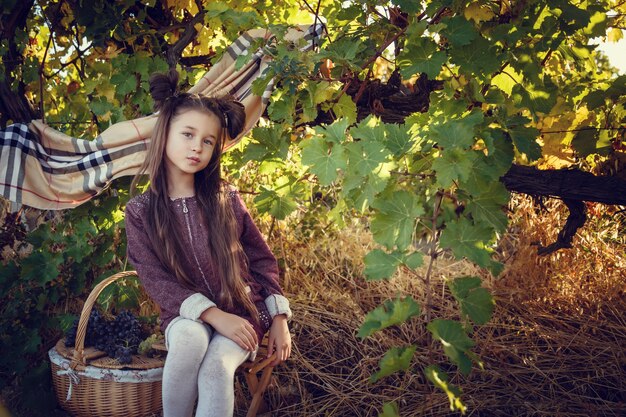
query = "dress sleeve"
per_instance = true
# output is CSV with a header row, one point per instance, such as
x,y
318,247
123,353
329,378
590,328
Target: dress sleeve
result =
x,y
161,285
261,261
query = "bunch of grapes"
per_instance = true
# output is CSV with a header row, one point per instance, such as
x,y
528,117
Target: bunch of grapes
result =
x,y
119,338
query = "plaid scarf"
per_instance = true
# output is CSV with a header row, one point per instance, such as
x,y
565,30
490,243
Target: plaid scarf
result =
x,y
43,168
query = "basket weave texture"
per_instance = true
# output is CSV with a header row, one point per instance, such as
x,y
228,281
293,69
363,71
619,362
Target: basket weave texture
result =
x,y
87,383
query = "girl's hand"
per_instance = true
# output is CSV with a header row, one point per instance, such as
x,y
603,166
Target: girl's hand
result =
x,y
279,339
237,329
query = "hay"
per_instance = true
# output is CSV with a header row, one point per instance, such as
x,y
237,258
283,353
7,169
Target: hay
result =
x,y
554,347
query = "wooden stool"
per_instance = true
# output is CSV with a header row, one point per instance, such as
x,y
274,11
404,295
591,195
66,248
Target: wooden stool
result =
x,y
251,370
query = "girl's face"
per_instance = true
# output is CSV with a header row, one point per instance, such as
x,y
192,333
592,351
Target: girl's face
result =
x,y
191,138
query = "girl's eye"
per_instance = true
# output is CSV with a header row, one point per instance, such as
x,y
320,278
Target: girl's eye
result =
x,y
208,142
187,134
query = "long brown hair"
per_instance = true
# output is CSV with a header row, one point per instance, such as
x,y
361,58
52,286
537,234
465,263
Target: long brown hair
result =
x,y
211,192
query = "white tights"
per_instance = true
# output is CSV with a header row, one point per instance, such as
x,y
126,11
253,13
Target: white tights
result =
x,y
199,366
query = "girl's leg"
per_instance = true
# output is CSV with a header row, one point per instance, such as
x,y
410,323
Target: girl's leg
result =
x,y
187,345
216,379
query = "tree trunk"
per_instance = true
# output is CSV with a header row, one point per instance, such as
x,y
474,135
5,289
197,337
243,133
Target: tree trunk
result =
x,y
13,104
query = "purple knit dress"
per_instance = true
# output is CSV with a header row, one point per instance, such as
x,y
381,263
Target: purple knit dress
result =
x,y
164,288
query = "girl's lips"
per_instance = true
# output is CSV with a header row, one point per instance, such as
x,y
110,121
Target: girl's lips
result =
x,y
194,159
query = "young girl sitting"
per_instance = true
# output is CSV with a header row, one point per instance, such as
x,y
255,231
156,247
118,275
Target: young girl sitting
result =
x,y
199,255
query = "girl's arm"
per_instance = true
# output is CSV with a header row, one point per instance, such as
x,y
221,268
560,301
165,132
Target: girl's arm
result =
x,y
162,286
261,261
279,339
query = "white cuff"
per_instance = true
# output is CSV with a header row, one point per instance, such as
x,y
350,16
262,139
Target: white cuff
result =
x,y
194,305
278,304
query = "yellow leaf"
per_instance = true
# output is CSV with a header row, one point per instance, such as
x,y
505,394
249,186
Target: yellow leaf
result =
x,y
615,34
507,79
478,12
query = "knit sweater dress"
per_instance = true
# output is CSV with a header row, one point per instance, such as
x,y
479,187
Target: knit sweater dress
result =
x,y
175,299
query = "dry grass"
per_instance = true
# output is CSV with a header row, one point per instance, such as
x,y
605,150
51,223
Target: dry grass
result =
x,y
555,347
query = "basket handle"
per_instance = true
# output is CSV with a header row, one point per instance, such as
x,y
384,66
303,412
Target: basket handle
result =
x,y
79,350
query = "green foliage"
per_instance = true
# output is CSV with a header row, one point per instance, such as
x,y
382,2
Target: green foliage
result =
x,y
396,359
455,342
440,380
517,85
390,410
57,264
391,313
476,302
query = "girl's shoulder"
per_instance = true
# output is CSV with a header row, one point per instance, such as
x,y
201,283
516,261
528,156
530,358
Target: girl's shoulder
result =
x,y
139,202
234,198
230,191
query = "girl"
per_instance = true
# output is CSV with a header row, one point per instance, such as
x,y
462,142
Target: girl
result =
x,y
200,256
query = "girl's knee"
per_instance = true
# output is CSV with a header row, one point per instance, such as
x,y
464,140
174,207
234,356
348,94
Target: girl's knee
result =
x,y
188,335
217,370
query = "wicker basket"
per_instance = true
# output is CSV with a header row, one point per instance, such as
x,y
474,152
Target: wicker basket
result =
x,y
90,384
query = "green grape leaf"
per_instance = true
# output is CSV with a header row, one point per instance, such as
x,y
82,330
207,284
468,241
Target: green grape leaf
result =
x,y
344,50
456,343
487,207
419,56
454,164
479,58
501,153
392,312
260,84
369,129
361,190
124,83
476,302
585,141
282,107
524,137
100,106
478,305
41,267
335,132
393,224
346,108
365,156
485,170
592,141
414,260
390,410
440,380
77,248
271,143
323,159
460,287
398,139
468,240
395,359
8,273
407,6
538,99
457,133
269,201
459,31
319,92
380,264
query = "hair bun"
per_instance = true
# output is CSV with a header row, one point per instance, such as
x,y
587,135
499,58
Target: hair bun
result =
x,y
163,86
235,115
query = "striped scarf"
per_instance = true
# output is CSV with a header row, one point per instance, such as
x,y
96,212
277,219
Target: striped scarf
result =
x,y
46,169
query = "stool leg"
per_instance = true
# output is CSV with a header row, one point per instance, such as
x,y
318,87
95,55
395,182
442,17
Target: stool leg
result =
x,y
253,382
257,398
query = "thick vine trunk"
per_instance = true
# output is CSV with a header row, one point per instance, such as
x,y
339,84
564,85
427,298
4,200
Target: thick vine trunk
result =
x,y
573,187
13,104
570,184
